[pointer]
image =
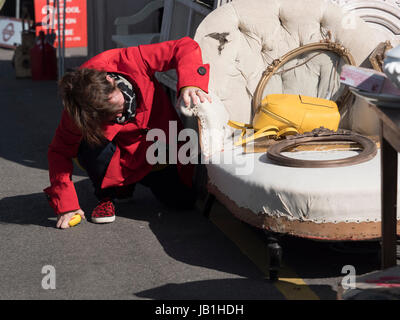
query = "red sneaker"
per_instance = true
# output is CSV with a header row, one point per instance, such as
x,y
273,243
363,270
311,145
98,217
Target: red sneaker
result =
x,y
104,212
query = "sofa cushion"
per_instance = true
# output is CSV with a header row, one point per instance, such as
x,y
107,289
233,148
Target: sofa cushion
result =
x,y
318,195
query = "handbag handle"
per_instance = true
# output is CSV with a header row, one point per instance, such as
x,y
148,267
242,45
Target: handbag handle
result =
x,y
325,45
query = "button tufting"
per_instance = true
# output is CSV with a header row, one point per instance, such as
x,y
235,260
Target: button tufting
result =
x,y
265,48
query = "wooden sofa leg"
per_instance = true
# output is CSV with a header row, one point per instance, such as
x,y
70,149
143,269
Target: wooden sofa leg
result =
x,y
275,256
208,205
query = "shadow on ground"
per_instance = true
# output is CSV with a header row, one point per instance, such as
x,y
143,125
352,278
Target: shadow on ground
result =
x,y
222,289
313,259
188,237
319,259
34,209
185,236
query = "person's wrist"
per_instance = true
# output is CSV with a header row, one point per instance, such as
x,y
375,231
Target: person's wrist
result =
x,y
188,87
70,211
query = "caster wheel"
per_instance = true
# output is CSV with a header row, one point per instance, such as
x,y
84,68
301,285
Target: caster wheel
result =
x,y
275,258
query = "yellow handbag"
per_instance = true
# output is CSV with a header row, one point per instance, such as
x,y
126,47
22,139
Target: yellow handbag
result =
x,y
284,114
278,115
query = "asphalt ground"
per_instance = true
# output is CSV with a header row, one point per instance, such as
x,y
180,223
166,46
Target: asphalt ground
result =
x,y
149,252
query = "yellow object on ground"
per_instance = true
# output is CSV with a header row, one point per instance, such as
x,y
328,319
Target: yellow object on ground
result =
x,y
75,220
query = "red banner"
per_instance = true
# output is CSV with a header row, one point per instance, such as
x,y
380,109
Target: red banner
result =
x,y
75,20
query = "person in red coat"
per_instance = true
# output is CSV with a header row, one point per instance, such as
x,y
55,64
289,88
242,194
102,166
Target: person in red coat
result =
x,y
110,103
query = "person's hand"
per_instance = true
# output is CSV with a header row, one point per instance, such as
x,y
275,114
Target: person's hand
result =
x,y
195,94
64,218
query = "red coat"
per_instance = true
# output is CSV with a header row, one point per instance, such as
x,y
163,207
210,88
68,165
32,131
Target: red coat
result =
x,y
154,110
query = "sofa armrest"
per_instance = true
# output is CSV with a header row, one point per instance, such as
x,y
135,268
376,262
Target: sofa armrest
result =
x,y
214,132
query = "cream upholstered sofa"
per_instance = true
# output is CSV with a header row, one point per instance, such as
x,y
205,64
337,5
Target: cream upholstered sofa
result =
x,y
240,40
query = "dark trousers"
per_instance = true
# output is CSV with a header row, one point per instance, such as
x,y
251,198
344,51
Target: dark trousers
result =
x,y
165,183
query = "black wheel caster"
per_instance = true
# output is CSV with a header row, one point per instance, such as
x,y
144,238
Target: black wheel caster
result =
x,y
275,258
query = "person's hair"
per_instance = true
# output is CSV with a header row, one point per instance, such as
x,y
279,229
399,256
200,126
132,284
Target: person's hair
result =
x,y
85,95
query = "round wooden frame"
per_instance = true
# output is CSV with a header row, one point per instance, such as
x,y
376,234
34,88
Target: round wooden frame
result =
x,y
368,147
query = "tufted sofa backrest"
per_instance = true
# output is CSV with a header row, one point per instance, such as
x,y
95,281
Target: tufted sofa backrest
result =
x,y
242,38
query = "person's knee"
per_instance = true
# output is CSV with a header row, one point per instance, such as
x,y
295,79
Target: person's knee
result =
x,y
179,198
168,188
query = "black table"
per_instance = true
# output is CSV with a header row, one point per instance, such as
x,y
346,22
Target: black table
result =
x,y
390,146
387,108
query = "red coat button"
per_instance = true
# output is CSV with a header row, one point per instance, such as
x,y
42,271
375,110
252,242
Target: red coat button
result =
x,y
202,71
